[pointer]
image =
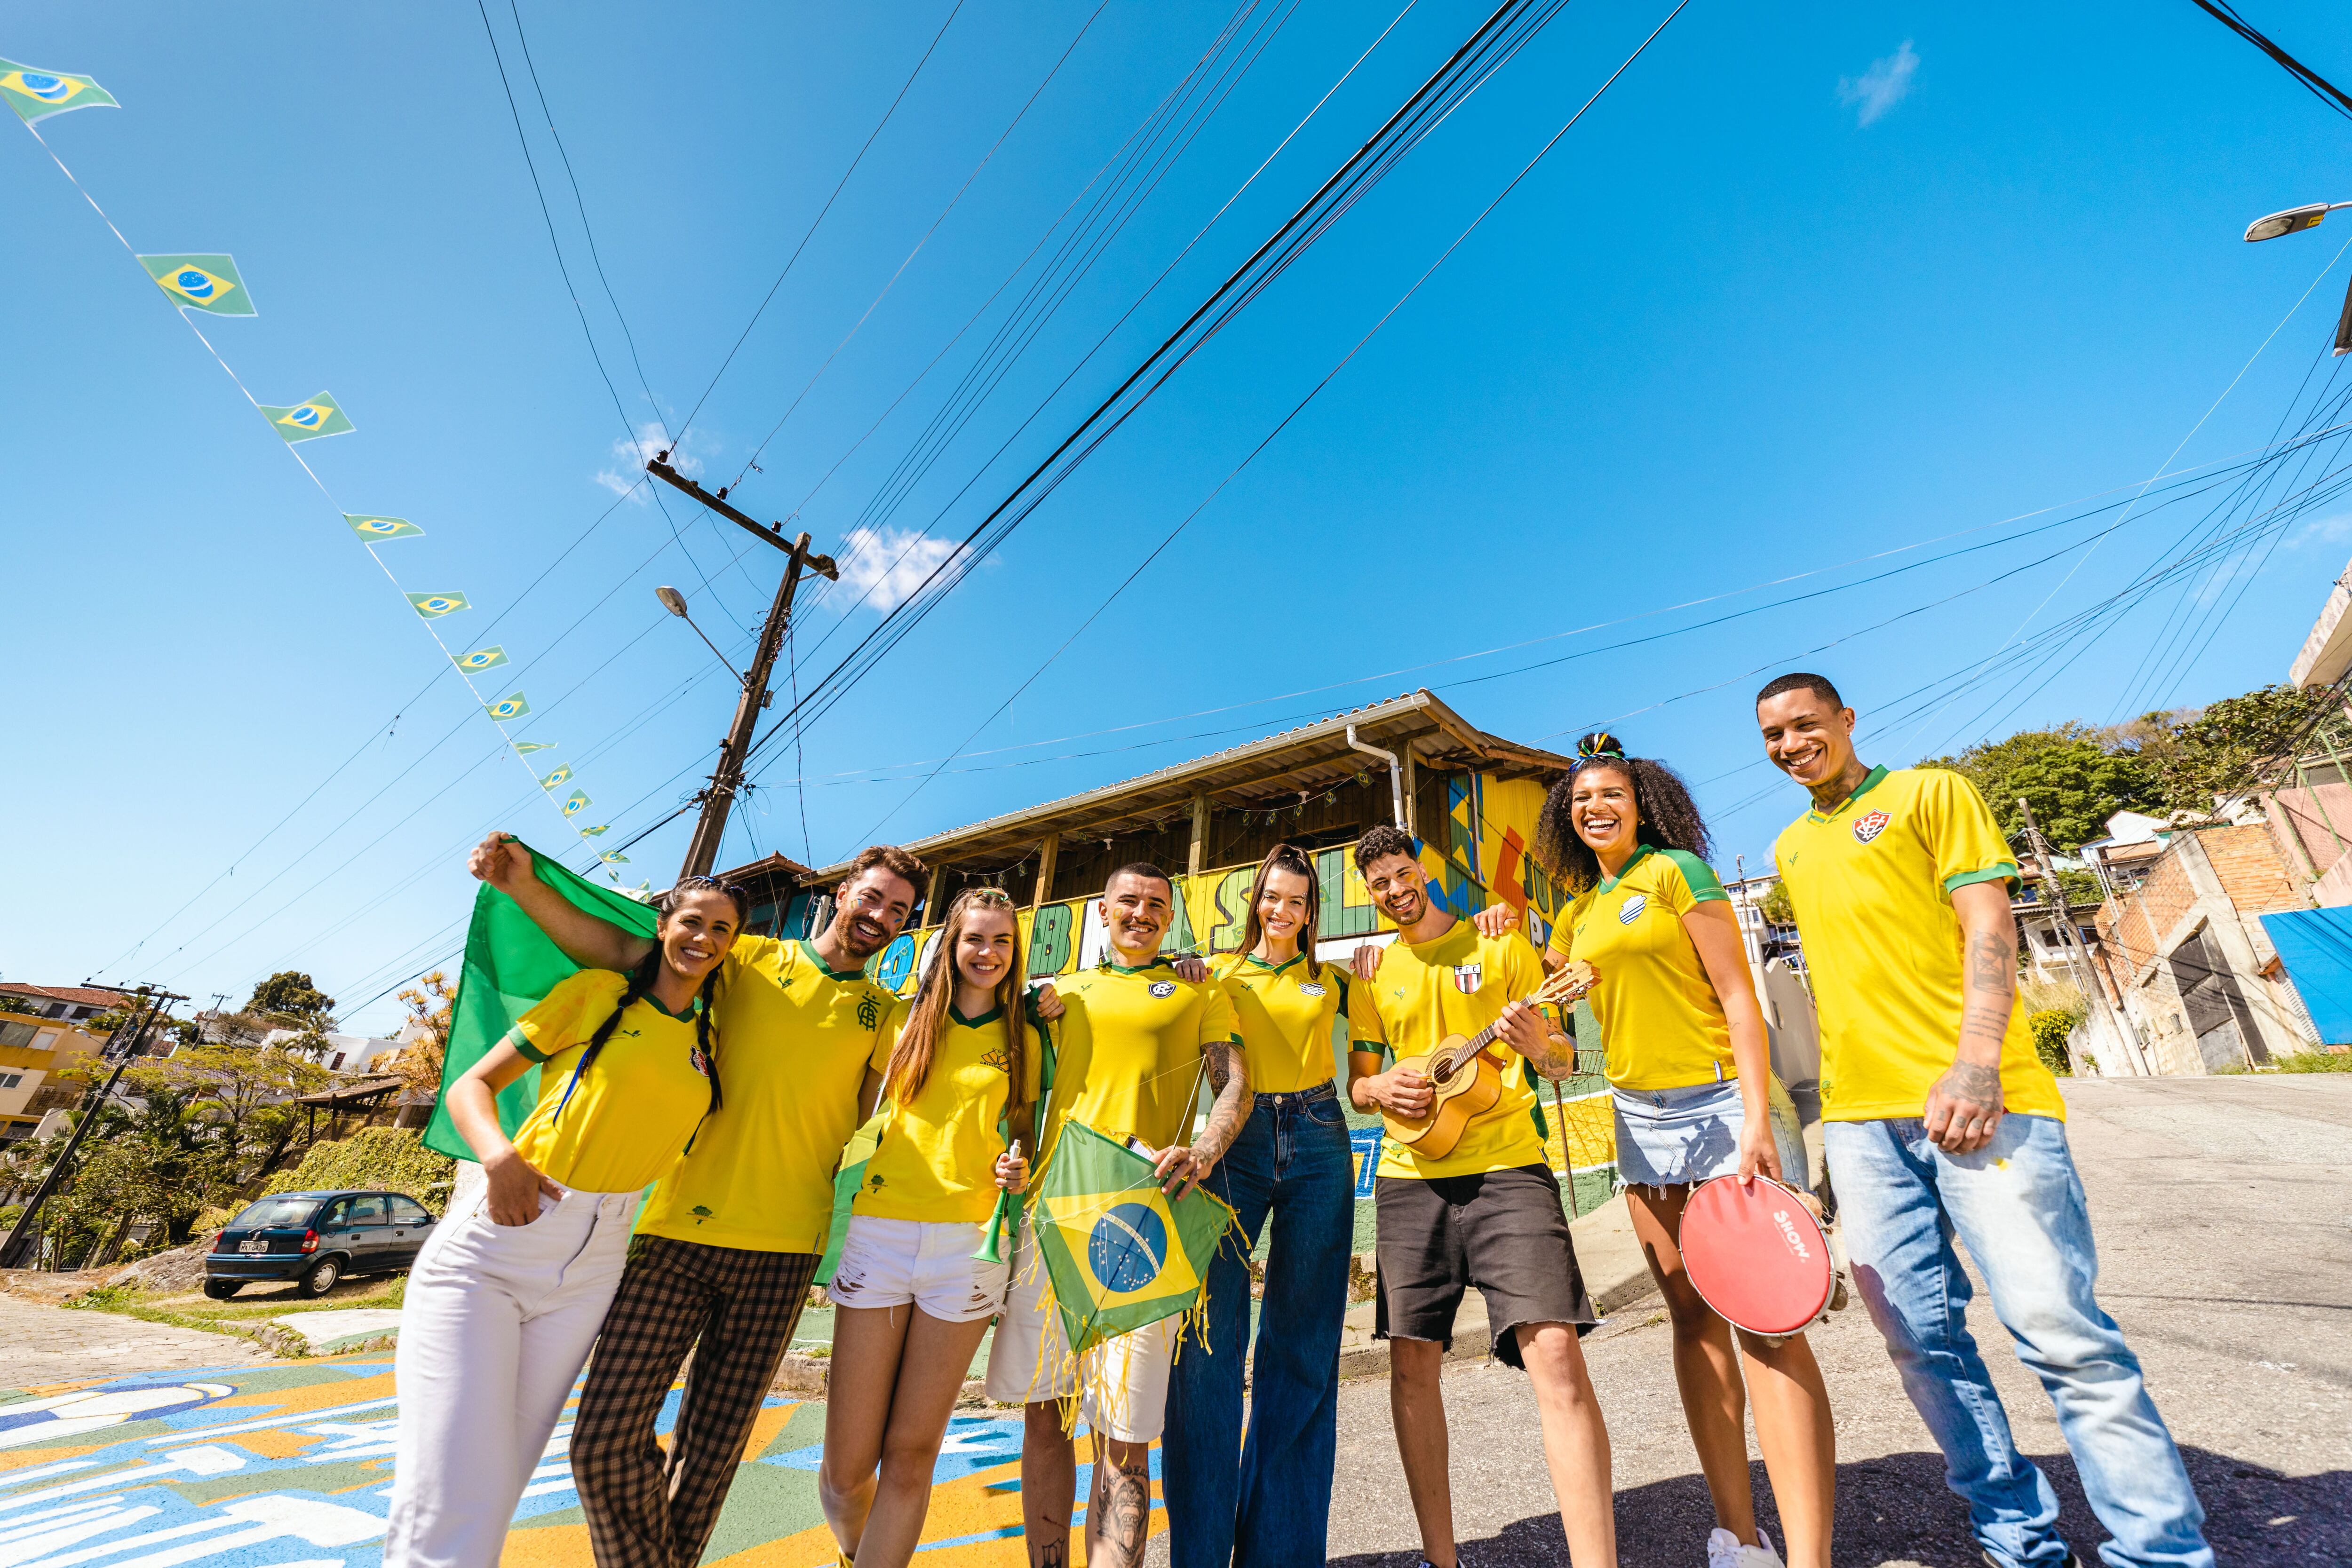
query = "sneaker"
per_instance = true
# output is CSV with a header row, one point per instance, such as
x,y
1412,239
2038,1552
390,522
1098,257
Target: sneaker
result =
x,y
2074,1560
1724,1551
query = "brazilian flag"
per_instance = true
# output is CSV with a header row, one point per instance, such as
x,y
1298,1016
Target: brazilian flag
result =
x,y
1119,1252
510,965
845,1182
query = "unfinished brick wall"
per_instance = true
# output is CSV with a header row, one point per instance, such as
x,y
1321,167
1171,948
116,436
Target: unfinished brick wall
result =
x,y
2138,922
2253,872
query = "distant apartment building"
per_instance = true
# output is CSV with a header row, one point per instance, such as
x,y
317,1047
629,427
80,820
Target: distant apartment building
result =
x,y
40,1037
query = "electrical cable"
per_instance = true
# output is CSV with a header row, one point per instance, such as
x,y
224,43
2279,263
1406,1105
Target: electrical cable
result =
x,y
2318,86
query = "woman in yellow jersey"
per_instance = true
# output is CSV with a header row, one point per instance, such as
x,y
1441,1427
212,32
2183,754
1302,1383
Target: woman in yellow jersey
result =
x,y
510,1291
1689,1068
1267,1500
957,1074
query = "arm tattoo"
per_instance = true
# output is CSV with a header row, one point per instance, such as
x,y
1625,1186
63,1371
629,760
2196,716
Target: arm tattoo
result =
x,y
1558,1059
1230,1078
1992,989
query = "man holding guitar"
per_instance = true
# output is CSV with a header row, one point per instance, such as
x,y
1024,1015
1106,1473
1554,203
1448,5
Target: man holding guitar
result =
x,y
1464,1194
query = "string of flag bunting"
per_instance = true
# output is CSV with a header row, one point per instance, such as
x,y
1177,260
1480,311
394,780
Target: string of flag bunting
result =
x,y
207,282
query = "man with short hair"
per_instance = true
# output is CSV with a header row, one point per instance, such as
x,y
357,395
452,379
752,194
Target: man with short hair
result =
x,y
728,1242
1131,1048
1487,1212
1938,1119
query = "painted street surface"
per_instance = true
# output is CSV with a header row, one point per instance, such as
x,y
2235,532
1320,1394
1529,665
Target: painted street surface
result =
x,y
291,1465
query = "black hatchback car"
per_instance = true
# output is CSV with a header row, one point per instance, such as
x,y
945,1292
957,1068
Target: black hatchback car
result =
x,y
316,1238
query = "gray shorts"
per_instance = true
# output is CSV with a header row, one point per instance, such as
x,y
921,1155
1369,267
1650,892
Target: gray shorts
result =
x,y
1503,1231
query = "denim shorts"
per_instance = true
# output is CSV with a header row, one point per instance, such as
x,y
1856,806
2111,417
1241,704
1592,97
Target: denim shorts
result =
x,y
1673,1138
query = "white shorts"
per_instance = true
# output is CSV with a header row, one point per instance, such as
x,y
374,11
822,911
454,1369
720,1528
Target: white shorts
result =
x,y
1123,1383
892,1262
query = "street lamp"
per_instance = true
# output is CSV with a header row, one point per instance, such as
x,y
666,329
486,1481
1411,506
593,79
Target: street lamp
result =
x,y
2294,219
675,602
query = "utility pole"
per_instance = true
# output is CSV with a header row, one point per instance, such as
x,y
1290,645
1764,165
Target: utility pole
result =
x,y
2086,974
728,778
127,1043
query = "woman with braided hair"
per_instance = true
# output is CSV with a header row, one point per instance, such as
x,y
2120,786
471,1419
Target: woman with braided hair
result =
x,y
508,1293
1690,1073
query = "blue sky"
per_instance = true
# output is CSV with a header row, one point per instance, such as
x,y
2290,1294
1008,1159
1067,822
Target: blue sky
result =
x,y
1806,285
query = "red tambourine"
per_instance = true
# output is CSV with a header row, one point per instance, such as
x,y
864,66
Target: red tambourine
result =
x,y
1756,1255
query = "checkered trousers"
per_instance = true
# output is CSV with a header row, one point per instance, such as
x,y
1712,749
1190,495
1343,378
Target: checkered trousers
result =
x,y
736,1308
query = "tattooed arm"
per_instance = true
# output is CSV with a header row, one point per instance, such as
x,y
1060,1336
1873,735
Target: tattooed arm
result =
x,y
1965,1105
1229,1079
1526,1030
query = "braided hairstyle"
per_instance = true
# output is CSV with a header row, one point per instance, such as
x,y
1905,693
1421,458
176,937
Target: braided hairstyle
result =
x,y
1665,816
640,983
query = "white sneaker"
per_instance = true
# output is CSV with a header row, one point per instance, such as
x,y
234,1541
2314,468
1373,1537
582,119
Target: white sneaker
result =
x,y
1724,1551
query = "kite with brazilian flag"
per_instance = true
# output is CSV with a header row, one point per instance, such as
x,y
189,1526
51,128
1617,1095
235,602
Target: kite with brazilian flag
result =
x,y
1119,1252
510,965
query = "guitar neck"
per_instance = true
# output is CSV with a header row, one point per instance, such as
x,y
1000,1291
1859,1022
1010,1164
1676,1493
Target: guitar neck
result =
x,y
1483,1039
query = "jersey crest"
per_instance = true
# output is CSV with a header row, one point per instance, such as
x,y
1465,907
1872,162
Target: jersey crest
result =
x,y
1467,976
1309,989
1869,825
1163,990
1632,910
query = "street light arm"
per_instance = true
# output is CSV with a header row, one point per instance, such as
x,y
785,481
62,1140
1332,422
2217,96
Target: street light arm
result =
x,y
714,650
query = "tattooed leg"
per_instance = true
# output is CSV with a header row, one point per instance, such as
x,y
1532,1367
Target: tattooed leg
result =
x,y
1118,1507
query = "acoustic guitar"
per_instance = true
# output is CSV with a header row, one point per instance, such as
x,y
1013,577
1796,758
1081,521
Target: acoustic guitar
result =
x,y
1465,1079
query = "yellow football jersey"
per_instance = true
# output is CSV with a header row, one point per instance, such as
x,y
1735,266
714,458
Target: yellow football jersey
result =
x,y
1128,1046
622,1124
1285,1013
1660,1017
793,1040
1872,885
937,1157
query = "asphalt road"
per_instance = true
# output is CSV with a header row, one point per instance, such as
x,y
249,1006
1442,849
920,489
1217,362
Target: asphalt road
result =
x,y
2224,1212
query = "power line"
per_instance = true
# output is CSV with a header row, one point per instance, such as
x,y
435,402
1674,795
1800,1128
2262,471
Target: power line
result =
x,y
2318,86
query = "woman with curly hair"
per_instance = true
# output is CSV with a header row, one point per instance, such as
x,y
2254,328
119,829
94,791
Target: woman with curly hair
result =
x,y
1689,1068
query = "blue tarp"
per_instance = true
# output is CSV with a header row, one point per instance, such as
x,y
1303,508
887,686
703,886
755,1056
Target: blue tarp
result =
x,y
2315,945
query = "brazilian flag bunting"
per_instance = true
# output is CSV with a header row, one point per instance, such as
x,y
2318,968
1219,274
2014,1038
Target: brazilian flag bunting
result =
x,y
510,965
37,94
1119,1252
321,415
206,283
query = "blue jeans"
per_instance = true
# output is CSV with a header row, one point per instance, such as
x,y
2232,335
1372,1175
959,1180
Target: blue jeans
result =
x,y
2018,1205
1266,1500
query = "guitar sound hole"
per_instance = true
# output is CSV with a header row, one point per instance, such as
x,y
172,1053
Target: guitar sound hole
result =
x,y
1441,1072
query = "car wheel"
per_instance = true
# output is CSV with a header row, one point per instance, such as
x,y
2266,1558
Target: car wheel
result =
x,y
322,1276
222,1289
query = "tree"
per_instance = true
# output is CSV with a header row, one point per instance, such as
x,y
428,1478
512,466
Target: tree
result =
x,y
2231,746
289,999
1775,905
2077,775
419,1064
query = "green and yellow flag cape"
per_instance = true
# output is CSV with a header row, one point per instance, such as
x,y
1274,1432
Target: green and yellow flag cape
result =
x,y
1118,1253
510,965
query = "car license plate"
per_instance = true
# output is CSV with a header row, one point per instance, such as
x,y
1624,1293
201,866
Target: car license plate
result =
x,y
258,1244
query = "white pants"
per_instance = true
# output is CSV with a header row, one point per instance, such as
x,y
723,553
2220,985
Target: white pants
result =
x,y
494,1329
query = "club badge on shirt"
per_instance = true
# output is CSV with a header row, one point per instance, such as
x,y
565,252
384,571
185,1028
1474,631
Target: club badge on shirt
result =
x,y
1467,976
1163,990
1308,988
1869,825
1632,910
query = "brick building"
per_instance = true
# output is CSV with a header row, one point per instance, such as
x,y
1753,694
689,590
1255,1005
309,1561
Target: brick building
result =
x,y
2186,959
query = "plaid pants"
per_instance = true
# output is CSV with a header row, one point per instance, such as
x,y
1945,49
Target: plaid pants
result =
x,y
646,1509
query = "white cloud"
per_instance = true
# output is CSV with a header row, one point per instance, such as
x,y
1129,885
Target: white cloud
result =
x,y
888,565
1882,86
2323,531
630,457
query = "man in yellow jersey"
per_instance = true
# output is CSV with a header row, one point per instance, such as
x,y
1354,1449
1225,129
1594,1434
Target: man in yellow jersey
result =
x,y
1941,1121
1132,1050
728,1242
1488,1212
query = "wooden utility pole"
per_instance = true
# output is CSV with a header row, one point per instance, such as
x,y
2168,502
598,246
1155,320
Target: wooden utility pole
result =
x,y
718,798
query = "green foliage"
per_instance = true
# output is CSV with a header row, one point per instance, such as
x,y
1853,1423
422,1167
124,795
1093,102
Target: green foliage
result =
x,y
2050,1029
390,1159
2080,886
2076,776
1775,905
289,995
2315,1061
2231,746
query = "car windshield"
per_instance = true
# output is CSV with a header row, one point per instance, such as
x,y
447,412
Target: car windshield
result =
x,y
275,1213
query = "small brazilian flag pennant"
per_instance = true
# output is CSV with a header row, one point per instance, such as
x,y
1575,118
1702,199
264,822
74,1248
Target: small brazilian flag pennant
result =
x,y
574,803
479,659
614,857
373,528
599,828
207,282
525,747
561,776
433,606
506,708
37,95
321,415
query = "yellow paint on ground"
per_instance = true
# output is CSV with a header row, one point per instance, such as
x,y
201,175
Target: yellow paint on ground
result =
x,y
555,1546
764,1427
313,1396
274,1444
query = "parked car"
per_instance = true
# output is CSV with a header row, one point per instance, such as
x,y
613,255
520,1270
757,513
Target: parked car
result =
x,y
316,1239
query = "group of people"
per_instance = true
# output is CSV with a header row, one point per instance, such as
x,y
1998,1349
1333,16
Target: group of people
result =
x,y
732,1070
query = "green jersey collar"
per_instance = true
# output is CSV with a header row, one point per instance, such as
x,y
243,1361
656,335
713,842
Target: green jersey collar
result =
x,y
818,958
1870,781
692,1007
1252,958
1115,968
1608,884
990,1017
